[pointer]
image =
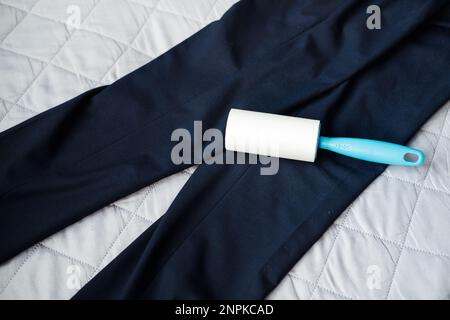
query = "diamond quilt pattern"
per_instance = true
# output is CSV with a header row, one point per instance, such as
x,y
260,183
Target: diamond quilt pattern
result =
x,y
391,243
44,61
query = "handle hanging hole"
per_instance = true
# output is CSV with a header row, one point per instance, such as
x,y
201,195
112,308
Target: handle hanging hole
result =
x,y
411,157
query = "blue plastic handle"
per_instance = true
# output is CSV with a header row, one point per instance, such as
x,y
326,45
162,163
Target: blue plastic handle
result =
x,y
374,151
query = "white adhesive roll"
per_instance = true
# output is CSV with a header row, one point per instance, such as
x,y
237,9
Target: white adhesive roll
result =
x,y
272,135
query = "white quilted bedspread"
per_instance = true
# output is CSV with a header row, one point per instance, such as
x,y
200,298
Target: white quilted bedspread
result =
x,y
392,242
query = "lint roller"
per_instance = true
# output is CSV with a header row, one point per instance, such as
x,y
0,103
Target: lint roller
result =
x,y
298,139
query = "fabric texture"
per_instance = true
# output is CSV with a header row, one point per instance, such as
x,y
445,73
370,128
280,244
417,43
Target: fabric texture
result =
x,y
334,268
392,241
117,36
231,222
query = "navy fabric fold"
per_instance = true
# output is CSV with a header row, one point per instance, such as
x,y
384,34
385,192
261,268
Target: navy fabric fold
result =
x,y
230,233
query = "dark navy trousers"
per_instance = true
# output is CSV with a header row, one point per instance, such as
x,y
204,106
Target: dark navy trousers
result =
x,y
230,233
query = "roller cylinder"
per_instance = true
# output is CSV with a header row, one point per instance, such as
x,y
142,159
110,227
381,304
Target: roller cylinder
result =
x,y
272,135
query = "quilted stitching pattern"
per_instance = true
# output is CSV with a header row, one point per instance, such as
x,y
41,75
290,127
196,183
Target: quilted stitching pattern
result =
x,y
396,229
98,52
44,62
395,233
